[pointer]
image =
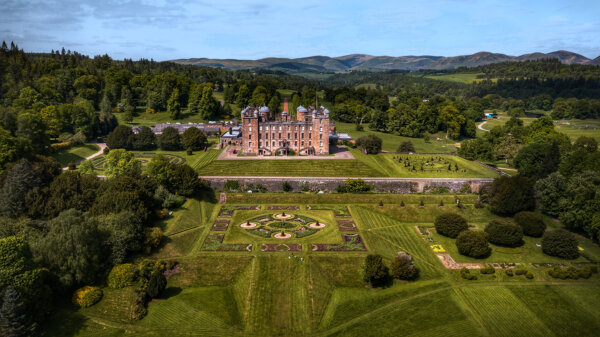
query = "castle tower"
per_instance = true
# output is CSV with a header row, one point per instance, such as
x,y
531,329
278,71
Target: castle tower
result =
x,y
300,113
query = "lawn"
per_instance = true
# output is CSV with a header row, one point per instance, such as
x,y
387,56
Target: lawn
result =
x,y
466,78
197,160
258,293
390,142
292,168
75,153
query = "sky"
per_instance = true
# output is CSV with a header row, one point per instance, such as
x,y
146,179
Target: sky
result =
x,y
174,29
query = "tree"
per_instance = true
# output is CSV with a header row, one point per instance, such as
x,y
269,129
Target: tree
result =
x,y
120,138
551,192
51,119
71,190
274,104
587,144
125,234
286,187
453,120
375,273
403,267
406,147
19,180
537,160
15,320
193,139
208,105
161,170
10,148
450,224
105,105
243,96
473,244
72,249
173,105
506,148
370,144
259,96
120,162
354,186
145,139
186,182
532,223
31,126
510,195
156,283
560,243
504,233
169,139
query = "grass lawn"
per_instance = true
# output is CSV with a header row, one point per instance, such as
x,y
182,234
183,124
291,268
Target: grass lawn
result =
x,y
434,166
390,142
295,168
75,153
256,293
197,160
461,78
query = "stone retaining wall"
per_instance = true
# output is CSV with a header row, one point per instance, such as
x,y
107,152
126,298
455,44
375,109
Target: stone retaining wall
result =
x,y
329,184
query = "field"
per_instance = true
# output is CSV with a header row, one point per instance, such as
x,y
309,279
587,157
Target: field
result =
x,y
197,160
75,153
461,78
573,128
390,142
260,292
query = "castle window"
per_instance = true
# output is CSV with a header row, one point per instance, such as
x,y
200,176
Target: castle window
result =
x,y
289,136
302,143
249,129
260,143
267,128
249,136
280,128
310,128
296,143
273,143
280,135
302,127
260,128
266,135
321,136
295,136
321,129
310,136
249,144
321,144
302,136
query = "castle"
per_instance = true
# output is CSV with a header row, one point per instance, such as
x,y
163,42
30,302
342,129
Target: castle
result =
x,y
262,134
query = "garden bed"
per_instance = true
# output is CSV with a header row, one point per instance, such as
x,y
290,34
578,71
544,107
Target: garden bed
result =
x,y
227,210
352,242
220,225
346,225
281,247
284,208
214,242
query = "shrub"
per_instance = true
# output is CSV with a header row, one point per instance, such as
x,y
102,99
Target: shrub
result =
x,y
403,267
122,276
157,282
450,224
286,187
466,274
572,272
473,244
232,185
370,144
504,233
510,195
72,166
487,270
520,271
87,296
509,272
529,275
532,223
405,147
402,203
375,272
354,186
560,243
380,203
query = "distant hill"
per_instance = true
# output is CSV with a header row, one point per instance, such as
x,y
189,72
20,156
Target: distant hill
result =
x,y
318,64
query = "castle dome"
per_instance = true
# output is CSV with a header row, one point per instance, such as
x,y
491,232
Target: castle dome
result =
x,y
264,109
301,109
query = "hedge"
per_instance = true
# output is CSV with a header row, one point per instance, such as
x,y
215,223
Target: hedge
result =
x,y
122,276
504,233
87,296
473,244
560,243
532,223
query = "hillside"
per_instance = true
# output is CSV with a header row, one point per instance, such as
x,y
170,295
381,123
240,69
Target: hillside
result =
x,y
318,64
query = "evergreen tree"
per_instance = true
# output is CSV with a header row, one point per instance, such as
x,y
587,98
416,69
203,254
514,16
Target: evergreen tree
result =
x,y
20,179
105,105
208,105
173,105
243,96
15,321
274,104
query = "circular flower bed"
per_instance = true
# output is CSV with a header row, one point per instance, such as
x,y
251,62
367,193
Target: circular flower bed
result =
x,y
282,235
271,226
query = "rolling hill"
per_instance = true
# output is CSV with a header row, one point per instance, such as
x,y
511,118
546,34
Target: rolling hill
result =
x,y
320,64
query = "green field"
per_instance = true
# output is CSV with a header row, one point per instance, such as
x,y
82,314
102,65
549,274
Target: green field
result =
x,y
321,293
461,78
197,160
380,165
390,142
75,153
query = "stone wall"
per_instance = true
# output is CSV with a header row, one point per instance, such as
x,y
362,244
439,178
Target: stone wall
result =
x,y
383,185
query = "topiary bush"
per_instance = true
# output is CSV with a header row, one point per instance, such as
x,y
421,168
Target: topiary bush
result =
x,y
504,233
87,296
450,224
473,244
122,276
403,267
487,270
572,272
560,243
509,272
520,271
532,223
529,275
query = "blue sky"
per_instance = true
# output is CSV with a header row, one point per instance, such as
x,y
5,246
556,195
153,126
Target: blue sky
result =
x,y
165,30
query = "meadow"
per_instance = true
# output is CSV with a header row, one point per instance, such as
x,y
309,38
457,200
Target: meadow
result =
x,y
466,78
75,153
321,293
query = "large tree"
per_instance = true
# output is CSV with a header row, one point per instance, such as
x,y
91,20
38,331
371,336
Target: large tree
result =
x,y
15,319
120,162
193,139
510,195
120,138
169,139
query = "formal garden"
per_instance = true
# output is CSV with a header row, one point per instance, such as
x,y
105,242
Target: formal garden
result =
x,y
257,266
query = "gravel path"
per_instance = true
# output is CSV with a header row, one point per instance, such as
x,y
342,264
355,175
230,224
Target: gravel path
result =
x,y
480,126
102,146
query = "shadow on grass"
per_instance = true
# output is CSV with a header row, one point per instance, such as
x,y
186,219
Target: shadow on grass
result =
x,y
171,292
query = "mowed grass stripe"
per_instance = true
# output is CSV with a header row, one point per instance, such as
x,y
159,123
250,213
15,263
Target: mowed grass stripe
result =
x,y
308,167
205,159
565,311
502,312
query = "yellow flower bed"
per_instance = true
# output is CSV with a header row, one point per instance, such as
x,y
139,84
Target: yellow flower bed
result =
x,y
438,249
87,296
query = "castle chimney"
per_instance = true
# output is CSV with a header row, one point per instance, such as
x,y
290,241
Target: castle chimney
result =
x,y
285,105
